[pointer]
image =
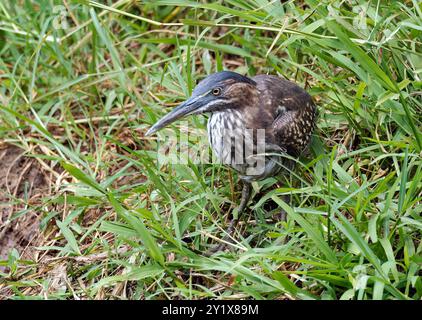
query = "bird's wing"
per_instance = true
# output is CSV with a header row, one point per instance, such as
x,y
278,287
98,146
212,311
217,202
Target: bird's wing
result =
x,y
293,111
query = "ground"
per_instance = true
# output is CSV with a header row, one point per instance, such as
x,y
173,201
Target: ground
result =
x,y
21,178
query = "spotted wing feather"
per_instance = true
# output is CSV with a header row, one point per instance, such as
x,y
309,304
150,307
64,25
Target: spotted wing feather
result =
x,y
293,111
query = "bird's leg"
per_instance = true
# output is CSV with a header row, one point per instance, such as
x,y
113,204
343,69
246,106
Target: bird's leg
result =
x,y
282,216
246,195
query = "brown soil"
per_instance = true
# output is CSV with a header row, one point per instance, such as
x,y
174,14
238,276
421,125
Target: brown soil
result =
x,y
21,186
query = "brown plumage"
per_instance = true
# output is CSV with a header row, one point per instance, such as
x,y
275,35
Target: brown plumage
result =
x,y
291,111
281,108
248,115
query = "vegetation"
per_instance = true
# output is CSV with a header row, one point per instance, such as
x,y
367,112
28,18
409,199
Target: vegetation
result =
x,y
82,81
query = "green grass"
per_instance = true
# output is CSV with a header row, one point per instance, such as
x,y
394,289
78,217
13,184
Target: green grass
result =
x,y
79,100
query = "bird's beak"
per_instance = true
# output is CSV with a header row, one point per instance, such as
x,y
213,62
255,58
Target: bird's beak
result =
x,y
186,108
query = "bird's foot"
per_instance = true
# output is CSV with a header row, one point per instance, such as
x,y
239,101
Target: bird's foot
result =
x,y
225,242
214,249
280,217
228,238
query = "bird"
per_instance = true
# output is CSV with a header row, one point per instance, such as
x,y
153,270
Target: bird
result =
x,y
253,122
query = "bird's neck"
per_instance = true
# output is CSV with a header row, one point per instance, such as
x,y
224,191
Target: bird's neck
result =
x,y
230,119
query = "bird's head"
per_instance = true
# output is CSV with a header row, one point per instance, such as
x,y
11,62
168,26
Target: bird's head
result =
x,y
217,92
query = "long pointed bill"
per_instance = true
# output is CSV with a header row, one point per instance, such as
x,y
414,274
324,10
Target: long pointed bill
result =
x,y
184,109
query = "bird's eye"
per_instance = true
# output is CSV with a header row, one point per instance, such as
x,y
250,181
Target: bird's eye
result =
x,y
216,91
